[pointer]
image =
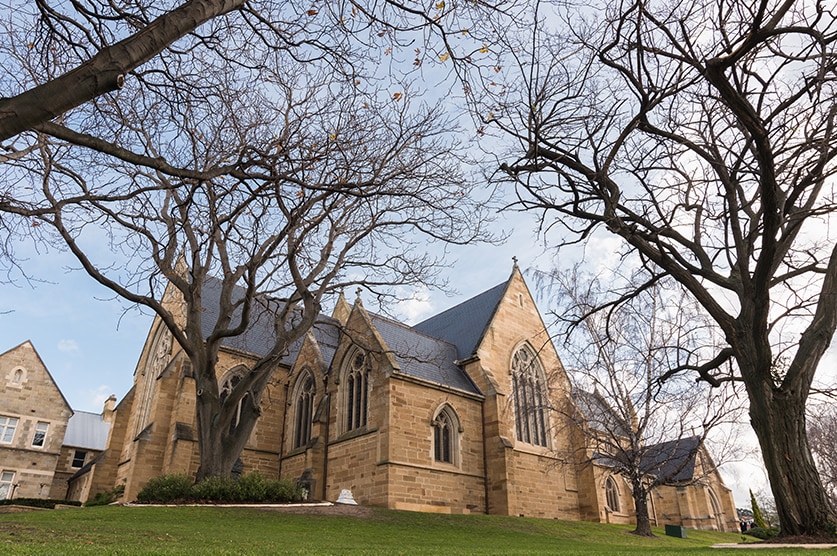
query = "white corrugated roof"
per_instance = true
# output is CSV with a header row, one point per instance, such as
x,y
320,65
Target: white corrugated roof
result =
x,y
87,430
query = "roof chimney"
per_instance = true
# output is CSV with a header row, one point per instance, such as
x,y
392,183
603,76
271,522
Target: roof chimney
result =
x,y
110,409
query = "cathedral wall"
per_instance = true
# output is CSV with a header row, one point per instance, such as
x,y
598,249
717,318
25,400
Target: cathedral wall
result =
x,y
416,480
149,448
674,506
591,500
626,511
353,465
294,465
523,478
543,486
434,490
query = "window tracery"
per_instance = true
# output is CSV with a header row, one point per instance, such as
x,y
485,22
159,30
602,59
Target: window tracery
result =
x,y
304,409
357,391
612,494
530,400
445,436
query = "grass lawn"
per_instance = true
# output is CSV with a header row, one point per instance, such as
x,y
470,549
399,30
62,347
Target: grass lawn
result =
x,y
217,530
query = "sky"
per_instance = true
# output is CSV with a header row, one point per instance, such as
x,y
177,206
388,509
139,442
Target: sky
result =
x,y
90,342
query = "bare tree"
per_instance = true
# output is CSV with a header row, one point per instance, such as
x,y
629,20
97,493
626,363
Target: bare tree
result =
x,y
822,434
90,48
277,185
702,135
648,431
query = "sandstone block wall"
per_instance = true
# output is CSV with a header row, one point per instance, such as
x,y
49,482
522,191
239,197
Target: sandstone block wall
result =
x,y
30,396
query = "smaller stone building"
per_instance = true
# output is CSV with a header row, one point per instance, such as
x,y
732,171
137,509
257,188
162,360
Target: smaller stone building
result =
x,y
43,443
33,420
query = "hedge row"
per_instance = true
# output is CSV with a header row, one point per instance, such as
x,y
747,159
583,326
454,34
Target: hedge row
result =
x,y
38,502
250,488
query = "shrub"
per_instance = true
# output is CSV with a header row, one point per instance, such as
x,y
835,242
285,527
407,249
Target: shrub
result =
x,y
166,488
283,492
216,489
250,488
107,497
763,533
38,502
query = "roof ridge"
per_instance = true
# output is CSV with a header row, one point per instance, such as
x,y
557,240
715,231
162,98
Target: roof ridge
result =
x,y
461,303
412,329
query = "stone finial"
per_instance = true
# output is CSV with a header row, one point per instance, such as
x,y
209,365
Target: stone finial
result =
x,y
514,260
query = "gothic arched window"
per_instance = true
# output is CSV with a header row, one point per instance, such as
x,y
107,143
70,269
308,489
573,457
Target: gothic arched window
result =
x,y
529,397
304,402
156,361
227,386
612,494
445,435
357,391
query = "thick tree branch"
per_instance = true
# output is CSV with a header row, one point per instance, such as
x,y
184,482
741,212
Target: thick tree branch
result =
x,y
106,71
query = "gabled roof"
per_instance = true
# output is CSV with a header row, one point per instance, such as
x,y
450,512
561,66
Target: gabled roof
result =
x,y
464,325
426,351
87,430
423,357
672,461
43,367
259,339
598,413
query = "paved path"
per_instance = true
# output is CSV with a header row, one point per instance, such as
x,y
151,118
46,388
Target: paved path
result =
x,y
757,545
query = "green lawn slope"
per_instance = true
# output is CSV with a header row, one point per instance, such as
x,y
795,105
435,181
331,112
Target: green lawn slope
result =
x,y
219,530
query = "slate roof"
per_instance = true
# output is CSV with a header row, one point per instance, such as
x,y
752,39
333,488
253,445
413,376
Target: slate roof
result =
x,y
426,351
87,430
599,414
258,339
423,357
464,325
672,461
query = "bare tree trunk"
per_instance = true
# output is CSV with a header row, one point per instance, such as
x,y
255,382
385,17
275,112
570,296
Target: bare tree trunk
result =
x,y
220,443
778,418
643,521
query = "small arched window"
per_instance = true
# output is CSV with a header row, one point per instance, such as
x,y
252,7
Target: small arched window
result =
x,y
357,387
304,409
529,397
445,436
17,377
226,389
612,494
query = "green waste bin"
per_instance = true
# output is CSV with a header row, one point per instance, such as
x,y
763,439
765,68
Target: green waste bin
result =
x,y
676,531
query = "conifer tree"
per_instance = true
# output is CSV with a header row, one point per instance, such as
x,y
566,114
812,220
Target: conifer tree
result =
x,y
758,519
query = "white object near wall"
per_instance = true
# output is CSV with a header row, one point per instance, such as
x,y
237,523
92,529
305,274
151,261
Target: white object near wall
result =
x,y
346,497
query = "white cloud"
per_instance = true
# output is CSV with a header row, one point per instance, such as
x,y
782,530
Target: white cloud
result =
x,y
68,346
97,396
417,307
